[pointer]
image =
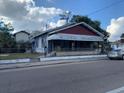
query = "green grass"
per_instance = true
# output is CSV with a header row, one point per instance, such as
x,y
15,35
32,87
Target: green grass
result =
x,y
19,56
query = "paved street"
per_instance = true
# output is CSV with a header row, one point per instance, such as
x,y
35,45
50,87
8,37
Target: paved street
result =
x,y
101,76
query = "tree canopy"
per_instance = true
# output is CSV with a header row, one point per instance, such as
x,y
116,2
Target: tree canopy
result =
x,y
122,35
6,39
6,27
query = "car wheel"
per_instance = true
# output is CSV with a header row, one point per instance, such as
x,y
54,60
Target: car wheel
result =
x,y
110,58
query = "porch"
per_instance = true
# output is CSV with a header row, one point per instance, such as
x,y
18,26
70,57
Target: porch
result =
x,y
70,47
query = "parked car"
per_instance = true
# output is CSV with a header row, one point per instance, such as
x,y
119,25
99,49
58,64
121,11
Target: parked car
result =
x,y
116,54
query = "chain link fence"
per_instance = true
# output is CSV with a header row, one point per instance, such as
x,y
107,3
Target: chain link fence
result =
x,y
13,50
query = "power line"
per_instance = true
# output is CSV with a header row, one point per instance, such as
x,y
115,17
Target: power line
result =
x,y
106,7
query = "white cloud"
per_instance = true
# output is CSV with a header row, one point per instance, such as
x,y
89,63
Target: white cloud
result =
x,y
24,14
13,9
58,24
61,22
116,28
6,20
41,13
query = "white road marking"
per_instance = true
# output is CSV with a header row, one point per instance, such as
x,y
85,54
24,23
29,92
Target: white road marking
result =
x,y
118,90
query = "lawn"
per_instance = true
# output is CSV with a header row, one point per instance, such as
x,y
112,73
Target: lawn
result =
x,y
18,56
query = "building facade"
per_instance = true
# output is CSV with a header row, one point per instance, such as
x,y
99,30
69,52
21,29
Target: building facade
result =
x,y
68,38
22,36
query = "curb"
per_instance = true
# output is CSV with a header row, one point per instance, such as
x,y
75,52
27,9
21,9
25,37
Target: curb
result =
x,y
73,57
27,60
44,63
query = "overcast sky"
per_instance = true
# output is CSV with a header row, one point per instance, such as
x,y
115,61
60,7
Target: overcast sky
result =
x,y
34,14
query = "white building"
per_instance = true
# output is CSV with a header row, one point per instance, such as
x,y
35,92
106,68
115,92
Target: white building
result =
x,y
22,36
70,37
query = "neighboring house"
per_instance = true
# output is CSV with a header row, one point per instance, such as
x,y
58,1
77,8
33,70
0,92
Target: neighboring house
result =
x,y
118,43
122,40
22,36
70,37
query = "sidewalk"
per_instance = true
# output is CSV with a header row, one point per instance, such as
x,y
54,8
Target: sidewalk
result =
x,y
50,61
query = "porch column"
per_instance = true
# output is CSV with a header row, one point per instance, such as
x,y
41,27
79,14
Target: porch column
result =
x,y
73,45
50,46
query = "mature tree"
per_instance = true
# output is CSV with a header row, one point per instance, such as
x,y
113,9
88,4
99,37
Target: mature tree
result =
x,y
122,35
78,18
6,38
6,27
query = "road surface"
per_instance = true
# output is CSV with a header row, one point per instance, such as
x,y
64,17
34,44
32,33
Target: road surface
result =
x,y
103,76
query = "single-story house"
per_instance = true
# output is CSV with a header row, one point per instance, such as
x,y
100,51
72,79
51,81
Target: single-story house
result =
x,y
122,40
22,36
74,37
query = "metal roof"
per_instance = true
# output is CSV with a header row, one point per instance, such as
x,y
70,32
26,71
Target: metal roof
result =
x,y
22,32
51,31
